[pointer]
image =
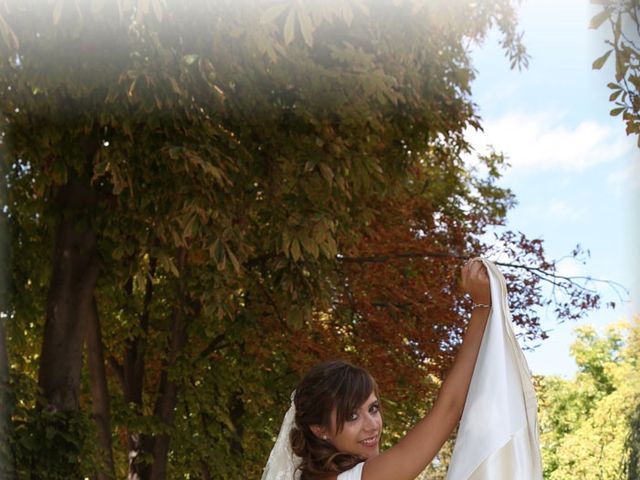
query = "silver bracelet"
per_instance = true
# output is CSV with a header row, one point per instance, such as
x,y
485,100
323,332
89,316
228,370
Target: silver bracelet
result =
x,y
485,305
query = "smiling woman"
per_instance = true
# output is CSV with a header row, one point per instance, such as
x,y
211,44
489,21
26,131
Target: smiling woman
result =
x,y
332,430
338,421
361,432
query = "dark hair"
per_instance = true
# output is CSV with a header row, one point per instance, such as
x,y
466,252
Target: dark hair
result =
x,y
329,386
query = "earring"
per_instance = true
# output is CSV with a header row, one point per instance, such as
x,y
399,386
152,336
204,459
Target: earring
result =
x,y
324,437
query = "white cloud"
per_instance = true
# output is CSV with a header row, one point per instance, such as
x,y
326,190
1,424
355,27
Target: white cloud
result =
x,y
571,268
542,142
626,178
554,210
561,210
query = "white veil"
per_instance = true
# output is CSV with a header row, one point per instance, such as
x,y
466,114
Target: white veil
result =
x,y
282,463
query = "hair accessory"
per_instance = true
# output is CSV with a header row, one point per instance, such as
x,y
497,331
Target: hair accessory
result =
x,y
283,463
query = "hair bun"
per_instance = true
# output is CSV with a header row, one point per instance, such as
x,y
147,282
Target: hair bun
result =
x,y
298,443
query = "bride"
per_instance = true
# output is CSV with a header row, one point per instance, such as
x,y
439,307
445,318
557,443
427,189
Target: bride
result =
x,y
332,430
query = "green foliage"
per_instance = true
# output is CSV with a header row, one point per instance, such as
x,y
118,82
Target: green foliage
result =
x,y
52,445
236,153
6,431
622,17
632,446
596,356
49,444
586,423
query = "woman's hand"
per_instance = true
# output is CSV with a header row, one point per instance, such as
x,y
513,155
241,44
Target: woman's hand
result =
x,y
475,281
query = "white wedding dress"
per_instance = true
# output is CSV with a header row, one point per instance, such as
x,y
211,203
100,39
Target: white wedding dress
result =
x,y
354,473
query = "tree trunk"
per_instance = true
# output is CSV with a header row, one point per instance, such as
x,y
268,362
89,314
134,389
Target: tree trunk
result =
x,y
204,468
166,404
168,392
6,404
70,300
99,393
133,380
70,303
236,410
133,372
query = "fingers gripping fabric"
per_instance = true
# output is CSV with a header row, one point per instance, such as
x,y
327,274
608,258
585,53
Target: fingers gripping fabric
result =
x,y
498,434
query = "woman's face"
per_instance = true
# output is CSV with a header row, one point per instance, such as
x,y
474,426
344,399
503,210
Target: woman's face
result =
x,y
360,434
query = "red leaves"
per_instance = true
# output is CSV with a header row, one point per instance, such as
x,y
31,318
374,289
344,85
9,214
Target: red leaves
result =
x,y
396,307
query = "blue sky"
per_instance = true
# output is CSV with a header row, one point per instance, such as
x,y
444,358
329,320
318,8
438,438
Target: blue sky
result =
x,y
574,171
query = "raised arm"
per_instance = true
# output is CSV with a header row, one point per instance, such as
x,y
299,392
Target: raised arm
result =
x,y
416,450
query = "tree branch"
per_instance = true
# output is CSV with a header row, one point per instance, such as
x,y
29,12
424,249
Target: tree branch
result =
x,y
399,256
117,369
549,277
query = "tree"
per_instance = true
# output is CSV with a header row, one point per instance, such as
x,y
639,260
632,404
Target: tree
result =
x,y
212,180
632,446
5,391
587,423
623,19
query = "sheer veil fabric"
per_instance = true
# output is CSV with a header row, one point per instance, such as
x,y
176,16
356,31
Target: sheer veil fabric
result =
x,y
282,461
498,434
